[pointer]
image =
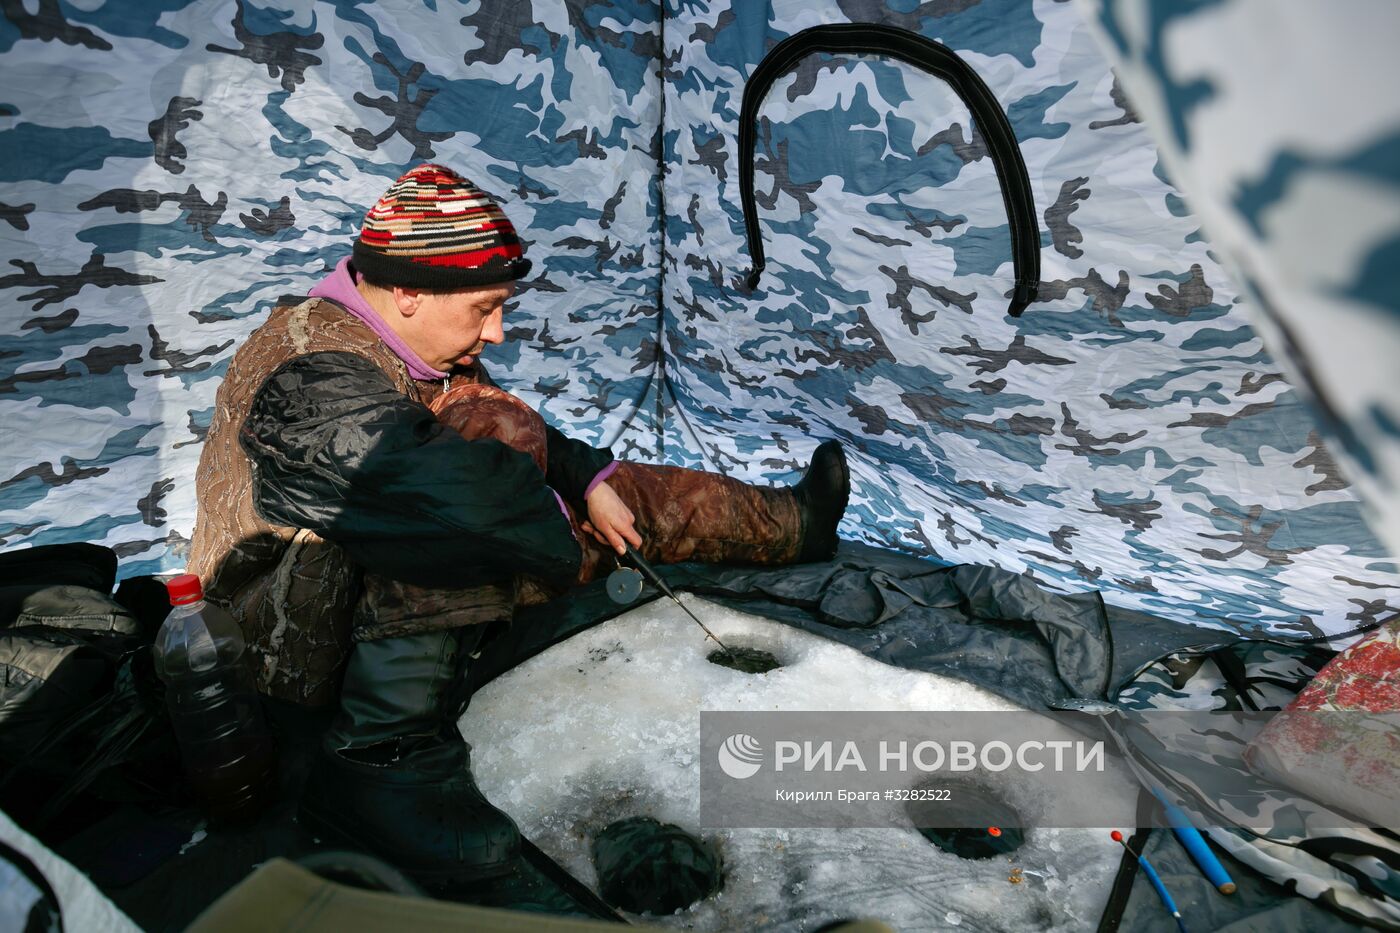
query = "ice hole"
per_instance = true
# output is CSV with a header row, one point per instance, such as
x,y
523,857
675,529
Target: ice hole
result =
x,y
745,660
648,867
965,819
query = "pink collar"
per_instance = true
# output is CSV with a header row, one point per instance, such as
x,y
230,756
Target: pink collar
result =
x,y
339,287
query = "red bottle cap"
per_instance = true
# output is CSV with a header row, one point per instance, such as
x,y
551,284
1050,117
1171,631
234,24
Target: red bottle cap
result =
x,y
185,588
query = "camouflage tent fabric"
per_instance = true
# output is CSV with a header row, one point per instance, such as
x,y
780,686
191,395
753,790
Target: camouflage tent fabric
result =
x,y
168,171
1297,180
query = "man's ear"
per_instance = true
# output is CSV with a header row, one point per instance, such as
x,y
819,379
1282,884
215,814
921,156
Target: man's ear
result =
x,y
407,300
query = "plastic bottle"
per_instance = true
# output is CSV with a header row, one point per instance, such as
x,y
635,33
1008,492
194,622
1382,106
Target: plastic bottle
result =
x,y
202,658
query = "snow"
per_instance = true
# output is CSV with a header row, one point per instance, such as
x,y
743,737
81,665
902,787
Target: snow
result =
x,y
606,725
199,835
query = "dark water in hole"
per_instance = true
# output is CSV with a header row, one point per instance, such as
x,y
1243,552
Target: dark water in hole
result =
x,y
983,825
648,867
745,660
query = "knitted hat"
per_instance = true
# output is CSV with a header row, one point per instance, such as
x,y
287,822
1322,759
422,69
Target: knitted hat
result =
x,y
434,229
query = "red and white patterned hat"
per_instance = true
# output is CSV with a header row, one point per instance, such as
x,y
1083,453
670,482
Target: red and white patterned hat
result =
x,y
434,229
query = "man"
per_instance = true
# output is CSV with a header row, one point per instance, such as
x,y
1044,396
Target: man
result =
x,y
369,503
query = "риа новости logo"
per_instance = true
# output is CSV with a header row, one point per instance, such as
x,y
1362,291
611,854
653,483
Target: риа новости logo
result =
x,y
740,756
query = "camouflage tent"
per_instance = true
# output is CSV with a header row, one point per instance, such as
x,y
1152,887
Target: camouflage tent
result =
x,y
1192,416
167,173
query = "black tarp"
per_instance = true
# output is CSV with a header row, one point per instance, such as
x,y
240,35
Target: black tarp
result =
x,y
989,627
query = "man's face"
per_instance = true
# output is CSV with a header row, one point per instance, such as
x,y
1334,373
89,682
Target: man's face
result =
x,y
454,327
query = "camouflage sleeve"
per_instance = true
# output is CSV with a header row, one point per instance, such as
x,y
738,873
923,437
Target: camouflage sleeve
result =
x,y
337,449
573,464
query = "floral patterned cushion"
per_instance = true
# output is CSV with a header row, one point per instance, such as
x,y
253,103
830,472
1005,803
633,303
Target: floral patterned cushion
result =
x,y
1339,741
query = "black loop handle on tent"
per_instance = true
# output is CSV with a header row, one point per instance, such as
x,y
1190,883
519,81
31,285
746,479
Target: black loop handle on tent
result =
x,y
937,59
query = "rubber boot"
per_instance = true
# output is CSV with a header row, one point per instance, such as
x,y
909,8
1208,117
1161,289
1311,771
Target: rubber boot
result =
x,y
394,775
821,495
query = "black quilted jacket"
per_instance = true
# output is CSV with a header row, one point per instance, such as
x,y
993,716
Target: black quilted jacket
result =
x,y
337,449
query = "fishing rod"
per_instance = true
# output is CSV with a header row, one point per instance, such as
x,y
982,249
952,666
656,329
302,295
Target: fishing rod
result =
x,y
660,584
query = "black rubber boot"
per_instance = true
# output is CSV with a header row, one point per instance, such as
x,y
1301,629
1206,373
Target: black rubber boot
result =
x,y
821,495
394,775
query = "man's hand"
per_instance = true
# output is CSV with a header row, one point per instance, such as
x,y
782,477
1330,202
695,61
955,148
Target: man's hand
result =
x,y
610,520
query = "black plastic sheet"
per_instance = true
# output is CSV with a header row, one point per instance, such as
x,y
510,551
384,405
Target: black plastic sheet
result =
x,y
983,625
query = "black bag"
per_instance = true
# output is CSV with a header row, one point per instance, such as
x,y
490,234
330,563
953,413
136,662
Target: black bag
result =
x,y
59,653
26,570
76,691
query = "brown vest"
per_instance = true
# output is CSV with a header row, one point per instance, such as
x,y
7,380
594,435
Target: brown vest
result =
x,y
293,593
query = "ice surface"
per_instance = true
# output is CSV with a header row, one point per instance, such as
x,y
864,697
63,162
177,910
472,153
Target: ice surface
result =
x,y
606,725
